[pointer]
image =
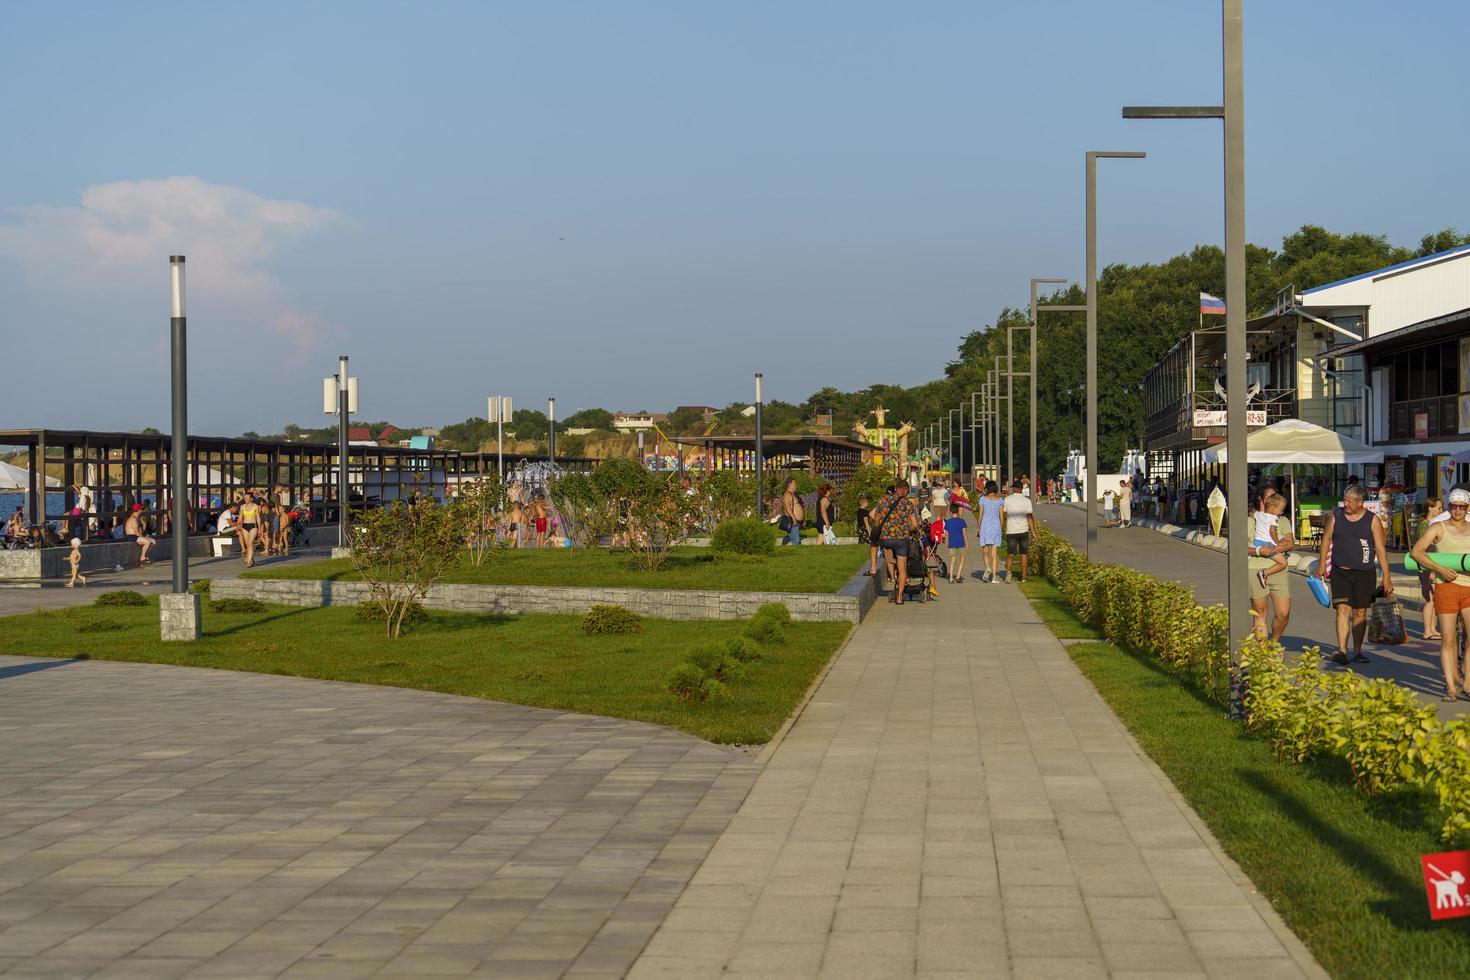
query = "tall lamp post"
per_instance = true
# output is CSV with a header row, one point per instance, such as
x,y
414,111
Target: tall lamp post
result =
x,y
760,454
996,390
1232,113
551,432
339,398
1090,486
500,412
178,611
1035,325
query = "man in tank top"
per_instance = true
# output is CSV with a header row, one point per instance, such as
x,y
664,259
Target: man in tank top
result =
x,y
1351,542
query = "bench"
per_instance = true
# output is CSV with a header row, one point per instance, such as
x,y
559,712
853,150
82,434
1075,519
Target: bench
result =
x,y
223,545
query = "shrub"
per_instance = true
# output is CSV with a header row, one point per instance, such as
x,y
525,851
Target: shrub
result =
x,y
766,631
686,682
743,649
1448,766
776,611
200,586
1383,735
715,661
373,612
713,690
100,626
237,605
603,620
744,536
121,597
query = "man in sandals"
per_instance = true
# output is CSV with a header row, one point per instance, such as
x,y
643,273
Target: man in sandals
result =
x,y
1354,539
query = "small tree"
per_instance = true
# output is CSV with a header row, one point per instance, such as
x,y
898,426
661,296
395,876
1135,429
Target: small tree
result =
x,y
400,551
727,495
660,517
482,500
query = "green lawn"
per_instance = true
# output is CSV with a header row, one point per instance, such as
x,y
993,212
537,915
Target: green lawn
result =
x,y
1055,613
537,660
1343,870
808,568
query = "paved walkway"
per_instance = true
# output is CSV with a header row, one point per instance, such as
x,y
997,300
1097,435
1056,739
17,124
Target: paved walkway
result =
x,y
957,801
163,821
1414,664
23,596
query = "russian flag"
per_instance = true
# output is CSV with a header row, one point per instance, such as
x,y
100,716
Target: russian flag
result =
x,y
1211,304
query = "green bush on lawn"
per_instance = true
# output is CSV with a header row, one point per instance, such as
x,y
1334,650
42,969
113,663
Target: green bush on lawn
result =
x,y
241,604
121,597
610,620
1380,729
744,536
373,612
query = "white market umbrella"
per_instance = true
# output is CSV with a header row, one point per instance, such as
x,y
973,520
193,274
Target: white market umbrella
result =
x,y
16,478
1294,442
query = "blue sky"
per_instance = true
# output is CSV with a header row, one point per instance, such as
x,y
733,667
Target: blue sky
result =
x,y
636,205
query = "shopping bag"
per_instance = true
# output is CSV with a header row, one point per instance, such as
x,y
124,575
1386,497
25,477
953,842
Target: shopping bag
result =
x,y
1386,623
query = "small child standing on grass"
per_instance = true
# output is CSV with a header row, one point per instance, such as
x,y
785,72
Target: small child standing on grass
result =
x,y
956,528
1267,535
74,559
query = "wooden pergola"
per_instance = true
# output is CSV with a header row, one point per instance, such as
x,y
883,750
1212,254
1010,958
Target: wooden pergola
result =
x,y
832,458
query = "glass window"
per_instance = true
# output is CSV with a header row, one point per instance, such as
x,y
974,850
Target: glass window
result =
x,y
1449,368
1400,390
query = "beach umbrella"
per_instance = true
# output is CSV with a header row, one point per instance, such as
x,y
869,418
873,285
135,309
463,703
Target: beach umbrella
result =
x,y
1293,442
16,478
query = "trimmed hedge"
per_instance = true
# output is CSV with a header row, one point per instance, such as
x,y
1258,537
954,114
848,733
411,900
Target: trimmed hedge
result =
x,y
744,536
121,597
1385,734
609,620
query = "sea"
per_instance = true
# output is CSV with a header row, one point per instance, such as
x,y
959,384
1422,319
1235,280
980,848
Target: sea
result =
x,y
55,501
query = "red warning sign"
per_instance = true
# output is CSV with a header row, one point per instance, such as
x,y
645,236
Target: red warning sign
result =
x,y
1445,877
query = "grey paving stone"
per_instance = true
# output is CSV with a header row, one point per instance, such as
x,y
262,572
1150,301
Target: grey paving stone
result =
x,y
235,825
972,808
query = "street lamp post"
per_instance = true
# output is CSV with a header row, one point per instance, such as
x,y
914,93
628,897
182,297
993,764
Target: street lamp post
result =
x,y
500,412
999,458
1232,113
760,455
551,432
178,611
339,398
1090,485
1035,310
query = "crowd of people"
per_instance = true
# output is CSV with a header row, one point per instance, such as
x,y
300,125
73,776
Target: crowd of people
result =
x,y
926,531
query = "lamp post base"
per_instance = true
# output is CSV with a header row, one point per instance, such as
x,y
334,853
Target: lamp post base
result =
x,y
178,616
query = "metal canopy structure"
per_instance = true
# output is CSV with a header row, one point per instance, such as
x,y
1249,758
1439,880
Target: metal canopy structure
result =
x,y
833,458
119,469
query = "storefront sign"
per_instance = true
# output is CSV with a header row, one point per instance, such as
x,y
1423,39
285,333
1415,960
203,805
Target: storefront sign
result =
x,y
1204,418
1421,425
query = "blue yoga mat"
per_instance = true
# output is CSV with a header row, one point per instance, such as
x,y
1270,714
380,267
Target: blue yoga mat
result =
x,y
1320,591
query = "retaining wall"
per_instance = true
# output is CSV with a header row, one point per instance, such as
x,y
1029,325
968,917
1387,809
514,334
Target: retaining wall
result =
x,y
850,604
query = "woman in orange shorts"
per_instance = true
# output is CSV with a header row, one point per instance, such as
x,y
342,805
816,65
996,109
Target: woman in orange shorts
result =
x,y
1449,539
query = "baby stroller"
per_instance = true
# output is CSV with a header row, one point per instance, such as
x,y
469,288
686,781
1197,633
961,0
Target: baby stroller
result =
x,y
917,567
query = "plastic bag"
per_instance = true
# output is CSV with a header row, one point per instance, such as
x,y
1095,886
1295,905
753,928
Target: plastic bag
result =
x,y
1386,623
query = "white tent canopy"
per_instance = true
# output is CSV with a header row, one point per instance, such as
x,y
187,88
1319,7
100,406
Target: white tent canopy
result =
x,y
16,478
1295,441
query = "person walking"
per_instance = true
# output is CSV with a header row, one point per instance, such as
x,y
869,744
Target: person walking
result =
x,y
958,498
1434,513
1271,598
1450,539
825,534
955,529
792,513
897,518
867,534
1352,540
249,528
1020,524
74,559
988,512
1125,504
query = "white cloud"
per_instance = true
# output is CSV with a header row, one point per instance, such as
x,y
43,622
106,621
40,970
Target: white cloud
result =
x,y
119,236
